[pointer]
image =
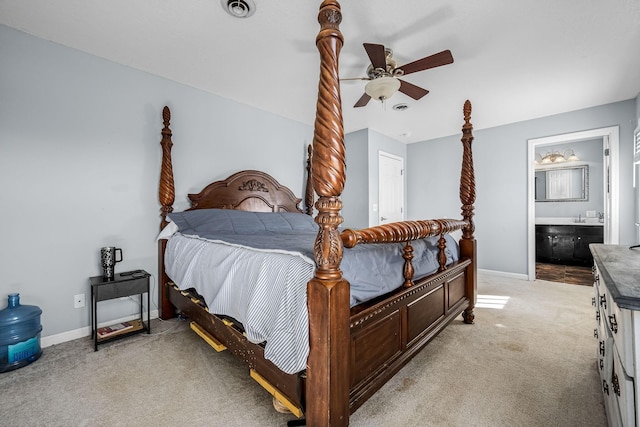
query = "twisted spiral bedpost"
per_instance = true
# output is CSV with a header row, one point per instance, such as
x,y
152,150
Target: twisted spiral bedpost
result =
x,y
468,198
328,166
327,292
467,177
166,196
167,190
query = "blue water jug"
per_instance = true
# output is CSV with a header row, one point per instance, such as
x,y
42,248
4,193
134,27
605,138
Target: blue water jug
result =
x,y
19,334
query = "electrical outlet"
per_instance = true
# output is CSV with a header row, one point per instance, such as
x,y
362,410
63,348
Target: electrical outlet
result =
x,y
591,214
78,301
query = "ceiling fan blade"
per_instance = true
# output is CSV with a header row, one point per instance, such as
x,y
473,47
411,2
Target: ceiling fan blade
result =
x,y
354,78
364,100
376,55
435,60
415,92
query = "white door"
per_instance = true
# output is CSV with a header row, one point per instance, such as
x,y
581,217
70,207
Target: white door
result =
x,y
390,188
606,172
636,178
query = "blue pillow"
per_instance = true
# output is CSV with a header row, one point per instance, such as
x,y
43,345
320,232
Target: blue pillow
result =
x,y
205,221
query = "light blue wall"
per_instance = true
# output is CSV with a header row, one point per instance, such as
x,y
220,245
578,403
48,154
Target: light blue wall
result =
x,y
500,157
355,205
80,161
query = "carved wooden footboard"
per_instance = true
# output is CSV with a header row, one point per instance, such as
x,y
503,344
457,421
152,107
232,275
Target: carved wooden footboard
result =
x,y
353,351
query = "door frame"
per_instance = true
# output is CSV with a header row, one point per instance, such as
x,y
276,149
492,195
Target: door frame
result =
x,y
402,193
611,140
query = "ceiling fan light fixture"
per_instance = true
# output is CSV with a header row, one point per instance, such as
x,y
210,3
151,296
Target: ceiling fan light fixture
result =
x,y
239,8
382,88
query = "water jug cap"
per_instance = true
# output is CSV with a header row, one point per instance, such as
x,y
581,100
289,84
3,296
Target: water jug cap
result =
x,y
14,300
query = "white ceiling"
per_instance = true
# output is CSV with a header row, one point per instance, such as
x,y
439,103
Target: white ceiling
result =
x,y
515,60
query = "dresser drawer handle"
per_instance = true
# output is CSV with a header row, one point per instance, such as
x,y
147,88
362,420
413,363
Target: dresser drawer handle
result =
x,y
593,301
598,316
601,364
595,333
605,387
613,323
602,348
603,301
615,384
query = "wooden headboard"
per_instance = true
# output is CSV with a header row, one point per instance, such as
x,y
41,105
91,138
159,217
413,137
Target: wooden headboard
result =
x,y
248,190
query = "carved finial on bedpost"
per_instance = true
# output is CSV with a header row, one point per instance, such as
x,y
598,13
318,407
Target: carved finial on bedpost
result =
x,y
308,194
328,292
468,198
167,190
167,197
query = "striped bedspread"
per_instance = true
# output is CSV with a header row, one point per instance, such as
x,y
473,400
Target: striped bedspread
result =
x,y
264,290
255,267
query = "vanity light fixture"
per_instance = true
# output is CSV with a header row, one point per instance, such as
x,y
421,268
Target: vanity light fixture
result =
x,y
572,157
556,157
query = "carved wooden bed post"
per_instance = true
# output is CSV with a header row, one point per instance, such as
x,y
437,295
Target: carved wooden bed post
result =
x,y
328,293
167,197
468,198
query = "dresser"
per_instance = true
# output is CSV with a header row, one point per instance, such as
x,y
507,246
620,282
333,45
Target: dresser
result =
x,y
616,303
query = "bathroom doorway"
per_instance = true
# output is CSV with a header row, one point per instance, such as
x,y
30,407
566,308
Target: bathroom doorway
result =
x,y
608,140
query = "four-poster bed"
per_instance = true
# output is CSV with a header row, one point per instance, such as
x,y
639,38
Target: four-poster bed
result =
x,y
353,349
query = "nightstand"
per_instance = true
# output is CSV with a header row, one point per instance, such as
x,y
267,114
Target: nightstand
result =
x,y
123,285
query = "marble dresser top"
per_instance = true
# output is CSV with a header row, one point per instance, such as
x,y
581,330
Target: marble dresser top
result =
x,y
620,269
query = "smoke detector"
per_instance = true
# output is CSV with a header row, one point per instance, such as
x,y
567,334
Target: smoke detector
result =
x,y
239,8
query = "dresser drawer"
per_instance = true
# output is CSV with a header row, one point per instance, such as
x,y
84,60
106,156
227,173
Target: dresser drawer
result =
x,y
600,287
604,356
620,323
621,386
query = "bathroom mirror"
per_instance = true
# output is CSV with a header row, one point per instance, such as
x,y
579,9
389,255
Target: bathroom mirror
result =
x,y
562,184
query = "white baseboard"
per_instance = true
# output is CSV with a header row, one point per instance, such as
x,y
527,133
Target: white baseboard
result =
x,y
86,331
504,274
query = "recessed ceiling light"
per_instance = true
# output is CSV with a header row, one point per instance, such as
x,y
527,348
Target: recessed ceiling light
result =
x,y
239,8
400,107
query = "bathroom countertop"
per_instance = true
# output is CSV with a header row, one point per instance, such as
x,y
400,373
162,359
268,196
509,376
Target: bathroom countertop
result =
x,y
568,221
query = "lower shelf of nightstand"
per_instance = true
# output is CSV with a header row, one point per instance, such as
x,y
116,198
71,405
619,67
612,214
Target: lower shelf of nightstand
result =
x,y
138,327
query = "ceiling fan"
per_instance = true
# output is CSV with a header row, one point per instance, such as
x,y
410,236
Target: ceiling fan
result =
x,y
383,73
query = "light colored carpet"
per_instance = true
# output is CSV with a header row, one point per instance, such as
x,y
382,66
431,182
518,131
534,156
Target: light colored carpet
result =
x,y
528,361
